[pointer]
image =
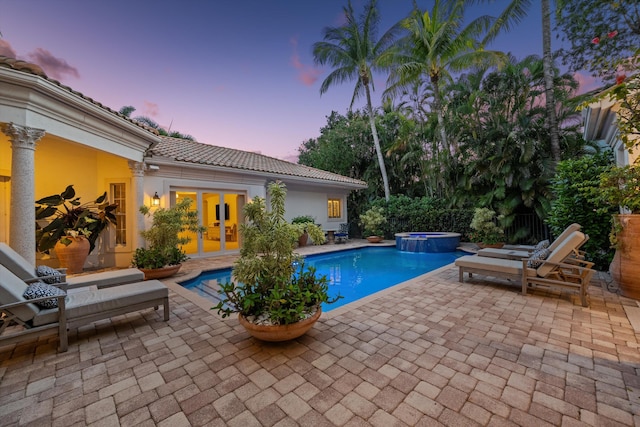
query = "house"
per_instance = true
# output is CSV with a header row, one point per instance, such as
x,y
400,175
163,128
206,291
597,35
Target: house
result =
x,y
599,120
52,136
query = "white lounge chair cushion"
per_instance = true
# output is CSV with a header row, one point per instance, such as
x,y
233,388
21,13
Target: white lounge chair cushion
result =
x,y
12,289
80,304
15,263
503,253
563,236
40,290
559,254
106,279
499,265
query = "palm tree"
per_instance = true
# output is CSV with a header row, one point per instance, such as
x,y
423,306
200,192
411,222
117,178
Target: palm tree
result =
x,y
354,54
435,44
548,83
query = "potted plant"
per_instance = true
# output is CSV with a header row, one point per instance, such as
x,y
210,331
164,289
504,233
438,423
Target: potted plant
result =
x,y
306,227
70,227
163,256
371,222
487,230
620,186
276,297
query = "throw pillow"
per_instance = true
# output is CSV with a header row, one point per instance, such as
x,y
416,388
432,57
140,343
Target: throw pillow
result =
x,y
536,258
44,271
543,244
39,290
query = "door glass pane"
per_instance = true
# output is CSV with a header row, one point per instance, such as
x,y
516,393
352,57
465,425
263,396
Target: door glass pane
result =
x,y
211,220
192,246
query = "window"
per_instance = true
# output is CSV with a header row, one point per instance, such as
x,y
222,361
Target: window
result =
x,y
334,208
119,196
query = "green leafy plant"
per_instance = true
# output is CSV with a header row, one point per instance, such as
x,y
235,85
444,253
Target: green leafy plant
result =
x,y
485,224
164,236
620,186
67,216
307,224
574,185
270,280
372,221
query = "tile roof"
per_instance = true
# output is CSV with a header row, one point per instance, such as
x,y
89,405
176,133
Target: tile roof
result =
x,y
187,151
194,152
30,68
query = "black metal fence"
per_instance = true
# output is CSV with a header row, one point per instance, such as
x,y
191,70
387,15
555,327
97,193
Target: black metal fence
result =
x,y
525,229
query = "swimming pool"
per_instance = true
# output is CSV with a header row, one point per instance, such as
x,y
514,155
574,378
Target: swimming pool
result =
x,y
353,273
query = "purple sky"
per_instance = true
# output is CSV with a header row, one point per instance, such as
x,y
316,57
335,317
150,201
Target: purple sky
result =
x,y
237,74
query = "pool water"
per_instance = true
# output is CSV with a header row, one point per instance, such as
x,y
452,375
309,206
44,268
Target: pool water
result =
x,y
354,273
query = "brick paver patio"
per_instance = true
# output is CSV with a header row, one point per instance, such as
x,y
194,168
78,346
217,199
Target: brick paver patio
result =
x,y
430,352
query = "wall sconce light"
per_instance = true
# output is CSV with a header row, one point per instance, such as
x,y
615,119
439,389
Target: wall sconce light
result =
x,y
155,200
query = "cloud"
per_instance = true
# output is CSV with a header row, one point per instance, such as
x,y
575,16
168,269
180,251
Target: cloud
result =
x,y
306,74
56,68
7,50
150,109
587,83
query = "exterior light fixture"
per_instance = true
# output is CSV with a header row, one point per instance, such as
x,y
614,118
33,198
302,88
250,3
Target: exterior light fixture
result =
x,y
155,201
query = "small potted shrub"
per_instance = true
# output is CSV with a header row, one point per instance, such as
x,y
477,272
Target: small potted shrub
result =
x,y
163,256
72,227
306,227
276,297
487,230
371,222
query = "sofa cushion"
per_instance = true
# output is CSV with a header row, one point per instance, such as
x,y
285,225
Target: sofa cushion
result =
x,y
536,258
41,289
11,290
543,244
51,275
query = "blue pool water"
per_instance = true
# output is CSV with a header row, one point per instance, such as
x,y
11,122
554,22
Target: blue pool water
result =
x,y
354,273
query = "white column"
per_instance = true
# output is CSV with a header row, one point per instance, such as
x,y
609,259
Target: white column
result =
x,y
137,171
22,223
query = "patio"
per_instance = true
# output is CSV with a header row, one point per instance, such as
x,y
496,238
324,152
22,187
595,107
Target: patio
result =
x,y
429,352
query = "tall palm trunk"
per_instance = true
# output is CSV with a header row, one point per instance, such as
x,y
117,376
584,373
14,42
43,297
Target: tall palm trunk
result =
x,y
547,63
376,143
437,105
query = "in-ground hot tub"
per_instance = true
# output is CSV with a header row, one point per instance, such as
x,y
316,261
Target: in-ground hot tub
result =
x,y
429,241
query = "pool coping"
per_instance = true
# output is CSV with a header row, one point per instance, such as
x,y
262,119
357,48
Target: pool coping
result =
x,y
174,282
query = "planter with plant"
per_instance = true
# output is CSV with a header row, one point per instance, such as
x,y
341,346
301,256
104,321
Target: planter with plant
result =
x,y
620,186
487,230
163,255
371,222
276,297
306,227
70,227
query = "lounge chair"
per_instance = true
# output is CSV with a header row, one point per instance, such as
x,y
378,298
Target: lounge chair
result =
x,y
524,251
19,266
73,309
342,235
559,270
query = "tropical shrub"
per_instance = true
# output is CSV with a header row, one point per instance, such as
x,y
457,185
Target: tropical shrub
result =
x,y
575,187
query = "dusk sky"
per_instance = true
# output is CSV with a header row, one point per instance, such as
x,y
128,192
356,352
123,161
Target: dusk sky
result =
x,y
237,74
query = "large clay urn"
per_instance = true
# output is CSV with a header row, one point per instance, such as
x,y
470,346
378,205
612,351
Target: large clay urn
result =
x,y
625,267
73,255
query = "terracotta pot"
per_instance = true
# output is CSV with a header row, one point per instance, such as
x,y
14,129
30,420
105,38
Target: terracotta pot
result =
x,y
374,239
73,255
303,239
160,273
277,333
625,267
